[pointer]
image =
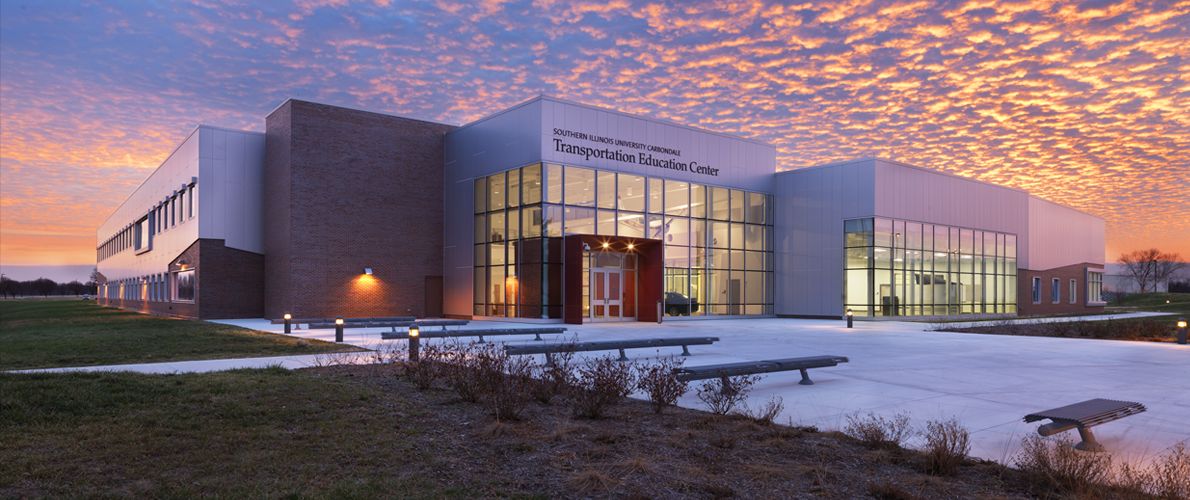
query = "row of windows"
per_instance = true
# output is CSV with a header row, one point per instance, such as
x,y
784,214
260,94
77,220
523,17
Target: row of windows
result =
x,y
178,208
895,267
605,190
162,287
1094,289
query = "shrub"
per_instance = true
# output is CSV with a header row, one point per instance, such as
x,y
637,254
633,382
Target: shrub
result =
x,y
889,491
601,382
553,378
505,380
1056,467
426,370
661,384
459,370
876,431
947,446
724,395
768,413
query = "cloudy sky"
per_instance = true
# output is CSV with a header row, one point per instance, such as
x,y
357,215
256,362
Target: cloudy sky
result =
x,y
1085,103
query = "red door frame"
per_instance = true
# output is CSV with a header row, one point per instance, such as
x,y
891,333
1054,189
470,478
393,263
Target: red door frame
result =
x,y
649,273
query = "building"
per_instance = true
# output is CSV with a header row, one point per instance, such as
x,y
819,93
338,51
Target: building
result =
x,y
557,211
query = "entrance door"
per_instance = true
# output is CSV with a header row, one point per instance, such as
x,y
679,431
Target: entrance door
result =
x,y
607,293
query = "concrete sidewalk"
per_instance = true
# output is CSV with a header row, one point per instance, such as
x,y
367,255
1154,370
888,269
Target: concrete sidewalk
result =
x,y
215,365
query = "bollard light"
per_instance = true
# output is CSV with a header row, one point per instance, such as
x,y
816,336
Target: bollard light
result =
x,y
414,342
1182,331
287,317
338,329
850,317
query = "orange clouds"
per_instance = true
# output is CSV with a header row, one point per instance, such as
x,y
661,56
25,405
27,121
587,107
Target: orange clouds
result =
x,y
1082,104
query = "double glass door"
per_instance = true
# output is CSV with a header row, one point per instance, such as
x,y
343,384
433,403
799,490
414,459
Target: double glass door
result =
x,y
607,293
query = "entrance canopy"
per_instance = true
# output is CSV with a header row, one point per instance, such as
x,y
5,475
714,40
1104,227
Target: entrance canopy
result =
x,y
618,296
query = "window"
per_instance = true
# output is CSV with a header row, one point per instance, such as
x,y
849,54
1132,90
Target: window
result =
x,y
1073,291
1036,290
1095,287
190,203
1055,290
144,237
184,286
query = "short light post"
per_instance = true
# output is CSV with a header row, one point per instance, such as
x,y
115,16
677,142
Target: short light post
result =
x,y
414,343
1182,331
287,318
338,329
850,318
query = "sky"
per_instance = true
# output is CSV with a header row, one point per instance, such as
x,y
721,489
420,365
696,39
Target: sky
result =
x,y
1086,104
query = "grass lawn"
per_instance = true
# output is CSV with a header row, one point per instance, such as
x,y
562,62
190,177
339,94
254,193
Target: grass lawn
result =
x,y
363,431
1179,303
55,333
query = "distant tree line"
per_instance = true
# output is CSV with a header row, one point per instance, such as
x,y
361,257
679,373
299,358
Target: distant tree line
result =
x,y
43,287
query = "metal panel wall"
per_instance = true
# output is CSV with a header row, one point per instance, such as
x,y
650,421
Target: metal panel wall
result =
x,y
1061,236
810,207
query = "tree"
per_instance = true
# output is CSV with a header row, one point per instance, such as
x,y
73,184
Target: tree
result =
x,y
9,287
1149,268
43,286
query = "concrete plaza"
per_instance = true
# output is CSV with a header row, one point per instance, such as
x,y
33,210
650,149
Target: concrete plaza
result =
x,y
988,382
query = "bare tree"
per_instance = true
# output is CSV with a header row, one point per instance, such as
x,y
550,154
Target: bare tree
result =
x,y
1149,268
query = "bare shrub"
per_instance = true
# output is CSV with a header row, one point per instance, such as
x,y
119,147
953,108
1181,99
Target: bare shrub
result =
x,y
727,393
661,384
505,380
875,431
426,370
947,446
591,480
601,382
767,413
553,377
459,367
1054,466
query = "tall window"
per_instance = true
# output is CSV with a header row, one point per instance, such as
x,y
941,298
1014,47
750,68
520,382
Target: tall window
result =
x,y
1036,290
184,286
1055,290
1073,290
1094,287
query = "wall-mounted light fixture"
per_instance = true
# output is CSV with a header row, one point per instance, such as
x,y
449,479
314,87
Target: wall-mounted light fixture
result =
x,y
368,271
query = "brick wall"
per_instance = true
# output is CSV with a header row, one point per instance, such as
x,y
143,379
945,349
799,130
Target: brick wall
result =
x,y
1077,272
346,190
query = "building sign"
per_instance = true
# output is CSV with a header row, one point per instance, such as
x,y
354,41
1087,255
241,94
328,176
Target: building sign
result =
x,y
625,151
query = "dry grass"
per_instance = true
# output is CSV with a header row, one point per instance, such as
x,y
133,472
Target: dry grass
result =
x,y
1053,466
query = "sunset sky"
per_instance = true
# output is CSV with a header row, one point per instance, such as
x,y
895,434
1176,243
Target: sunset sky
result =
x,y
1085,104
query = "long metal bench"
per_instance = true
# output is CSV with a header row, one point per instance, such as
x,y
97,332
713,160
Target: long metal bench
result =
x,y
609,345
477,332
403,323
1083,416
346,321
723,371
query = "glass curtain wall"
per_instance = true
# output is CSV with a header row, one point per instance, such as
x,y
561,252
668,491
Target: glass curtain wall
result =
x,y
716,241
906,268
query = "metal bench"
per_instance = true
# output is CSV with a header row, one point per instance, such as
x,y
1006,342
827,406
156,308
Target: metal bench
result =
x,y
346,321
609,345
1083,416
723,371
379,323
481,333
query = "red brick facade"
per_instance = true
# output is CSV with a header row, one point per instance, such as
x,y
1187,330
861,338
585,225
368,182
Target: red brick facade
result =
x,y
345,190
1078,272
